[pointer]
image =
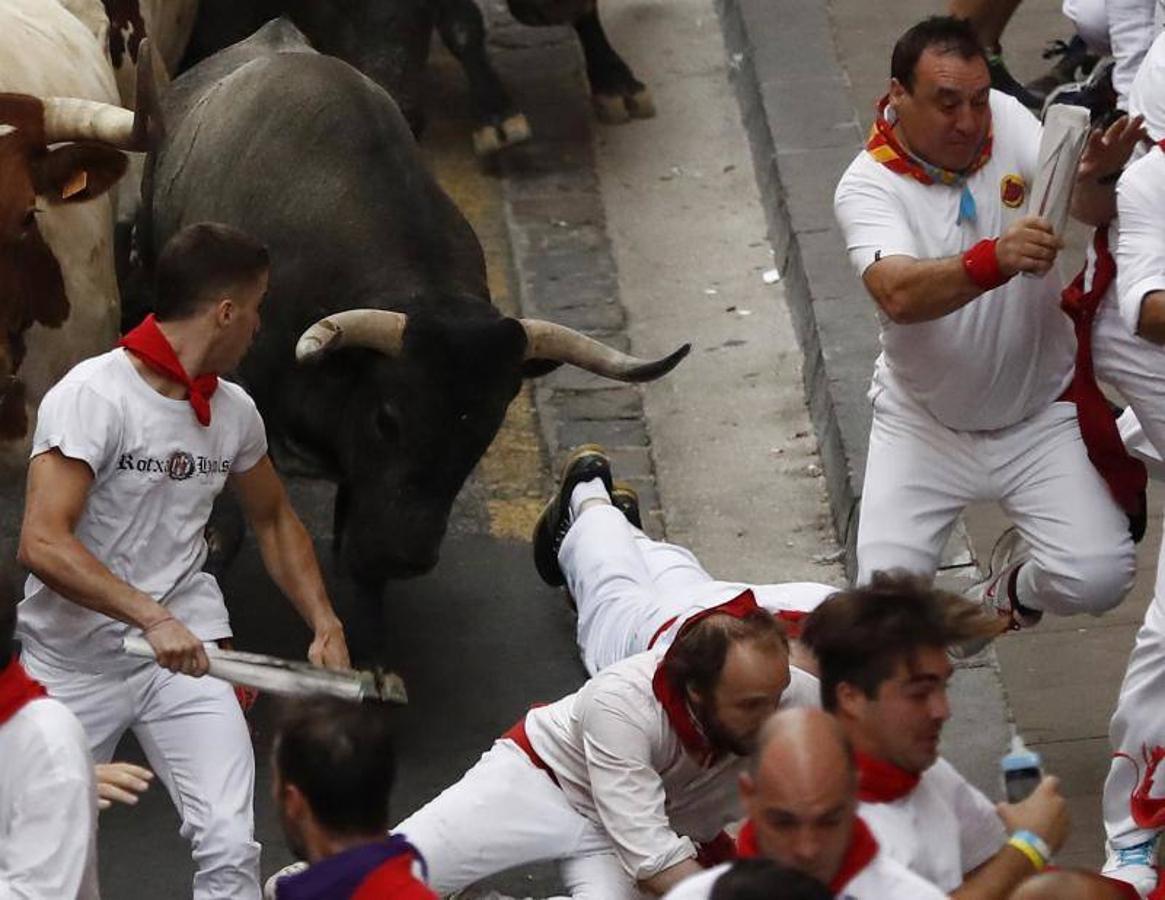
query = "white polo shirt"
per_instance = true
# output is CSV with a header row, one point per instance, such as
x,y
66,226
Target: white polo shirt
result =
x,y
48,806
1009,352
941,830
1140,251
882,879
620,763
156,474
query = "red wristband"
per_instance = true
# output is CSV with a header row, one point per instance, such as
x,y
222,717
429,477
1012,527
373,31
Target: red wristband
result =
x,y
982,265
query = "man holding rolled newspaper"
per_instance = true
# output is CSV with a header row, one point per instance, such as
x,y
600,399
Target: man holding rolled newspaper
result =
x,y
131,449
977,394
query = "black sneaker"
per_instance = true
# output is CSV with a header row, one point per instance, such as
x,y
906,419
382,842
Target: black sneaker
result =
x,y
584,463
1075,63
1003,80
624,499
1096,94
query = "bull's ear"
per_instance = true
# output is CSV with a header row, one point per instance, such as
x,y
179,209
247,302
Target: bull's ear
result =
x,y
536,368
78,172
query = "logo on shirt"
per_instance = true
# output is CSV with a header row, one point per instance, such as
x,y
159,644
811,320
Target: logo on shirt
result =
x,y
178,466
1012,190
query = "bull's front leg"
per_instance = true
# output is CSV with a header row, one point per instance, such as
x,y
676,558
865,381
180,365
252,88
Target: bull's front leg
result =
x,y
462,30
617,94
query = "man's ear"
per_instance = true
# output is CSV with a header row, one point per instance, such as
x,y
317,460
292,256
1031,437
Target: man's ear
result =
x,y
898,92
747,787
293,801
850,699
78,172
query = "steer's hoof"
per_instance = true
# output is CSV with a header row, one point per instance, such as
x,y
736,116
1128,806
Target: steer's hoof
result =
x,y
620,108
516,129
490,138
640,104
610,109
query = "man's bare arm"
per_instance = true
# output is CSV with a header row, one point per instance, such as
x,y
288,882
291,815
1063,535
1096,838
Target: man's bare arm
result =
x,y
912,290
662,882
1151,325
58,488
290,559
1094,196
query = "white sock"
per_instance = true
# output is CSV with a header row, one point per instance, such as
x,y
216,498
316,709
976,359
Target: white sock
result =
x,y
587,490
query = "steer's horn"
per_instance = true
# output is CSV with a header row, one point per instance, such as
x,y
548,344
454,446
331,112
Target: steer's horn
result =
x,y
548,340
73,119
375,329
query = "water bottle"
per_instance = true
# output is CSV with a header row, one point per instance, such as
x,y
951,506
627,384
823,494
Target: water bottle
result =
x,y
1021,770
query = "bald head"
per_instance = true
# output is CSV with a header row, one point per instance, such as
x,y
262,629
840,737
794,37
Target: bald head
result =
x,y
1070,884
800,792
806,745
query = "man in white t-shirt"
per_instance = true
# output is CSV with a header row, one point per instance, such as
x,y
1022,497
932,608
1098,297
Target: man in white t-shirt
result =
x,y
882,660
977,356
629,781
801,798
633,593
130,450
1138,725
48,800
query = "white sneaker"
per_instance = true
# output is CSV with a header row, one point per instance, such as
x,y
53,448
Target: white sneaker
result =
x,y
1136,865
1009,553
286,872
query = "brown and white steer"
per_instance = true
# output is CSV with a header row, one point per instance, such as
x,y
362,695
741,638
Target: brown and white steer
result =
x,y
61,136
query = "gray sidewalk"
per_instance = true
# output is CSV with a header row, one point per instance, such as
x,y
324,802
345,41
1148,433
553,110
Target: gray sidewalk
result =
x,y
808,75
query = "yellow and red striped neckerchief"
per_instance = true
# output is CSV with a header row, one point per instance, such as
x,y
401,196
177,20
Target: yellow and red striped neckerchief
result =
x,y
884,147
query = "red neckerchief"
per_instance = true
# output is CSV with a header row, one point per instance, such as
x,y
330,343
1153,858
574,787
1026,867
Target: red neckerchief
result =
x,y
1161,143
883,782
17,689
884,147
675,704
148,344
1125,476
862,849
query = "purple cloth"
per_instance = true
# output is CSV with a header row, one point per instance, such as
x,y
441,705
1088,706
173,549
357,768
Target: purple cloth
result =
x,y
338,877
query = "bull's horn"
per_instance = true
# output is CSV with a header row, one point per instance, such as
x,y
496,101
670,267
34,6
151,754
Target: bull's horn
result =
x,y
548,340
73,119
375,329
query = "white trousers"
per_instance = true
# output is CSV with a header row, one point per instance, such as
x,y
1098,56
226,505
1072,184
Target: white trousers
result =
x,y
628,586
506,812
195,738
920,475
1122,28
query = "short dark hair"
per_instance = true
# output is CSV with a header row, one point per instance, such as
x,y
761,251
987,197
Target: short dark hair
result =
x,y
763,879
696,657
340,756
199,263
943,34
860,635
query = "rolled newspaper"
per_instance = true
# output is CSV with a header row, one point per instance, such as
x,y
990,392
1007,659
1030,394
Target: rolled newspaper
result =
x,y
290,679
1061,146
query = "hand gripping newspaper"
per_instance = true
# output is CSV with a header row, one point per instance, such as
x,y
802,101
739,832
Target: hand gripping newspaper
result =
x,y
290,678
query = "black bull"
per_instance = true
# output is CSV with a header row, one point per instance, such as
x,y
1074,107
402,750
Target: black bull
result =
x,y
308,155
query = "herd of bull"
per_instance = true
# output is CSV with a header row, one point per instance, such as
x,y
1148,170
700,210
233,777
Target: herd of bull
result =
x,y
382,365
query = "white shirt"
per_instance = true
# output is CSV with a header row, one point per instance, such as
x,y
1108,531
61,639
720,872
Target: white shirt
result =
x,y
621,764
48,806
156,474
883,879
1140,251
941,830
1009,352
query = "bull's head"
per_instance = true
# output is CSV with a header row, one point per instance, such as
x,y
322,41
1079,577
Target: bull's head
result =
x,y
422,413
85,164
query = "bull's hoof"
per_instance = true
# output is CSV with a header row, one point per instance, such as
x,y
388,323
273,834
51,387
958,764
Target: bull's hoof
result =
x,y
490,138
620,108
640,104
610,109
